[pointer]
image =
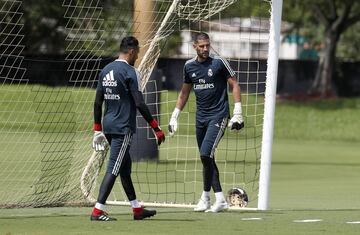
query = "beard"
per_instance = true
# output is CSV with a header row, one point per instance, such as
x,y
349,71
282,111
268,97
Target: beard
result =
x,y
132,62
203,55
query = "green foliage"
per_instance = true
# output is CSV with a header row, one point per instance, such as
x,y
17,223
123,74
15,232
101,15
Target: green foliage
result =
x,y
170,47
46,25
349,46
246,8
303,23
302,14
117,23
43,26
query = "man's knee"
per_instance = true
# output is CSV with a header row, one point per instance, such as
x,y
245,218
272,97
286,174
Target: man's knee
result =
x,y
207,161
125,173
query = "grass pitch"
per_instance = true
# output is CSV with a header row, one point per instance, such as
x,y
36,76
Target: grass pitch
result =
x,y
314,186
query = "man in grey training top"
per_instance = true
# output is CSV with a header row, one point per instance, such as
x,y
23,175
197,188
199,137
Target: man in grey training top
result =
x,y
119,88
209,76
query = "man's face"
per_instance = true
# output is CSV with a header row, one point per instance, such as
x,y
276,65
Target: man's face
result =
x,y
134,53
202,48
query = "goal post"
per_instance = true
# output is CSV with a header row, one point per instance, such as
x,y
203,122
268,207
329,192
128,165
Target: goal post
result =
x,y
270,99
46,134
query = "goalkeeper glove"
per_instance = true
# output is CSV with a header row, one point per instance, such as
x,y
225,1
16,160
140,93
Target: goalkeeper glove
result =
x,y
173,124
237,122
99,140
159,134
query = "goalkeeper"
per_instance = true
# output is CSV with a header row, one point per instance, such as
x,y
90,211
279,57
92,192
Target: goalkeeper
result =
x,y
119,88
208,76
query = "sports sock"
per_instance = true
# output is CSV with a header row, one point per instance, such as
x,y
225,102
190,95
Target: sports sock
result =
x,y
100,206
135,204
205,196
219,197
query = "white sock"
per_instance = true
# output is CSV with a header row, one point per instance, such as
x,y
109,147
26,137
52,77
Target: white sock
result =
x,y
219,197
205,196
100,206
135,204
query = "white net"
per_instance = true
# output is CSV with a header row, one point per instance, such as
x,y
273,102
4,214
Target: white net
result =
x,y
46,132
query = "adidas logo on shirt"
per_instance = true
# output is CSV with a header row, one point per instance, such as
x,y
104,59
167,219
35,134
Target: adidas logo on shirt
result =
x,y
109,80
193,75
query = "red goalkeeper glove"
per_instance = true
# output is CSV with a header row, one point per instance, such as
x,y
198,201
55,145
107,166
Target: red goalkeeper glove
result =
x,y
159,134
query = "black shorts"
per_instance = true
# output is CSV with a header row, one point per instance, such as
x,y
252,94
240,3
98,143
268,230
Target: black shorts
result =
x,y
209,134
119,160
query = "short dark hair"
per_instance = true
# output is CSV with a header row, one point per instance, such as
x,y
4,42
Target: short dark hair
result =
x,y
200,36
127,43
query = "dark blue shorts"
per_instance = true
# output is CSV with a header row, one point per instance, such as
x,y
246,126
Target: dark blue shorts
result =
x,y
119,160
209,134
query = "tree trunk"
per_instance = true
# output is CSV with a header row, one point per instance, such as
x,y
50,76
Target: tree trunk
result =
x,y
322,84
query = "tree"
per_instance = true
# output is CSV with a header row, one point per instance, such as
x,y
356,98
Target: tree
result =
x,y
327,20
324,22
337,17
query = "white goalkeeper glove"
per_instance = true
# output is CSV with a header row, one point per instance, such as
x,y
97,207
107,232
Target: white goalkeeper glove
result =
x,y
173,124
237,121
99,141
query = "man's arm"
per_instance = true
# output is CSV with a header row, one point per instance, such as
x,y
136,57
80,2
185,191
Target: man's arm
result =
x,y
145,112
99,99
99,139
183,96
180,103
235,89
141,106
237,121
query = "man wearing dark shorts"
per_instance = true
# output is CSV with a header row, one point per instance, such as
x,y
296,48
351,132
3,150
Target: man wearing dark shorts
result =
x,y
119,88
209,76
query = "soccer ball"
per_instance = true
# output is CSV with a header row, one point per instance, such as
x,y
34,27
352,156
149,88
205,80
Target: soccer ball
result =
x,y
237,197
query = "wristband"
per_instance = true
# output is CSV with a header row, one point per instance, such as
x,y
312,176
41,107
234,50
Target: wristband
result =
x,y
154,124
176,113
97,127
237,108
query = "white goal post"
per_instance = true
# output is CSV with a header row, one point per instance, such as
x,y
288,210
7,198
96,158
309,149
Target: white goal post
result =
x,y
270,99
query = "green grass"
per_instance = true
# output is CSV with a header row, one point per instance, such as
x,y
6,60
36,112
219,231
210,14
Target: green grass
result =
x,y
75,221
315,169
332,120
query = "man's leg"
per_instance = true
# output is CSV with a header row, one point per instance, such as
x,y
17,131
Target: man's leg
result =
x,y
208,172
124,170
216,185
204,201
214,133
215,179
107,184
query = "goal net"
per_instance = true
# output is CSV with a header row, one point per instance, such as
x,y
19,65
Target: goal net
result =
x,y
46,132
